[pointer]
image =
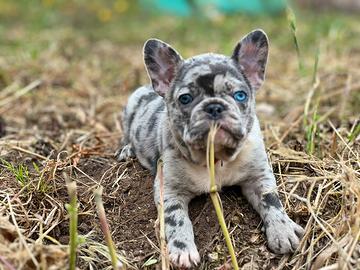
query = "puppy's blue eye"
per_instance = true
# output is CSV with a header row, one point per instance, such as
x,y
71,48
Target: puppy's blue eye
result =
x,y
240,96
185,99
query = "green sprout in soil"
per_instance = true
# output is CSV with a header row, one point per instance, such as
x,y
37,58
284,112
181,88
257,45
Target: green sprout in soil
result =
x,y
356,132
73,214
20,172
106,231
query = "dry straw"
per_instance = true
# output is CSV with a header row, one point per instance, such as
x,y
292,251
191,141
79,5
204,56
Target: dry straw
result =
x,y
165,264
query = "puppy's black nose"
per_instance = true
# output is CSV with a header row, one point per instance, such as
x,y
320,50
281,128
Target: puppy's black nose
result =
x,y
214,110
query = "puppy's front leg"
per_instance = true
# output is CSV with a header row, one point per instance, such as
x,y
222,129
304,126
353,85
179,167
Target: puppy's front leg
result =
x,y
282,233
178,227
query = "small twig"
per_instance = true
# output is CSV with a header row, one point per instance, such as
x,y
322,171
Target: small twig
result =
x,y
164,255
20,92
28,152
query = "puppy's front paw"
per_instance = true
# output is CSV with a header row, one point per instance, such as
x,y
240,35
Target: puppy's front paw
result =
x,y
283,234
125,153
184,255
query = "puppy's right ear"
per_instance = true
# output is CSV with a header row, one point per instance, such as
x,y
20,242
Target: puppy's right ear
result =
x,y
162,63
251,55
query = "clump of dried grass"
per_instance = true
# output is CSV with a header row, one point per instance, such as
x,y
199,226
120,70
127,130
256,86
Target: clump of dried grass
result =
x,y
17,250
331,197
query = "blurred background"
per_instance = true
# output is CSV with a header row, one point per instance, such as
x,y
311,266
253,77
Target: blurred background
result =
x,y
96,46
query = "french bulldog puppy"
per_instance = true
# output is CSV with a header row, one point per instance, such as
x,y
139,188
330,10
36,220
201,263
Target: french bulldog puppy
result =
x,y
171,119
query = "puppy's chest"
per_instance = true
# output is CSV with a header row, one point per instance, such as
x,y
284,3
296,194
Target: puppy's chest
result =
x,y
225,175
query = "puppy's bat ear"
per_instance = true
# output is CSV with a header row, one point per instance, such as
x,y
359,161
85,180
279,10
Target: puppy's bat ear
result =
x,y
250,55
162,63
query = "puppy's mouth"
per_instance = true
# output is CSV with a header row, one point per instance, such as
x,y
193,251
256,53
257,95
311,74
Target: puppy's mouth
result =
x,y
222,138
225,139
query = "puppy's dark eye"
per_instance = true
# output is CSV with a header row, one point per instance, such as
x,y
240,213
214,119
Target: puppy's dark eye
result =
x,y
185,99
240,96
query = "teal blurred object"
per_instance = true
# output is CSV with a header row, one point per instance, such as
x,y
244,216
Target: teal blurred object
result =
x,y
188,7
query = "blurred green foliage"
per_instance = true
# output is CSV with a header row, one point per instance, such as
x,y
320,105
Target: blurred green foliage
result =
x,y
31,26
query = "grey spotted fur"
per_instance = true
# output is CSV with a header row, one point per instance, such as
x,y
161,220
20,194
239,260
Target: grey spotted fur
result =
x,y
156,124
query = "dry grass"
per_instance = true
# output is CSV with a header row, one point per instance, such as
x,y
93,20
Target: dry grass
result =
x,y
59,110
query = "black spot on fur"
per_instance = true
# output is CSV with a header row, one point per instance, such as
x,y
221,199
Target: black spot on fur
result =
x,y
171,234
169,146
181,222
130,120
266,224
144,112
143,99
137,133
230,151
206,82
170,221
249,124
148,98
256,36
293,248
298,234
152,161
154,117
272,199
173,208
179,244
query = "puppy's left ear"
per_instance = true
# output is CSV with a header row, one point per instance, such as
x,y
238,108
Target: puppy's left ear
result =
x,y
251,55
162,62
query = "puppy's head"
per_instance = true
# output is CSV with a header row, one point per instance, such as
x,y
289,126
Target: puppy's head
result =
x,y
209,88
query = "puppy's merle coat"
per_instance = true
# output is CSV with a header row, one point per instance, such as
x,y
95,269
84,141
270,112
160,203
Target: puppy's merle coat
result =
x,y
171,118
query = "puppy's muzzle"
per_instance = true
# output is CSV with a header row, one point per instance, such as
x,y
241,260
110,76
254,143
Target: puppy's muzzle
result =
x,y
214,110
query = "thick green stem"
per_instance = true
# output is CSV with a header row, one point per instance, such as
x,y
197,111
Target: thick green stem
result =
x,y
106,231
72,209
215,197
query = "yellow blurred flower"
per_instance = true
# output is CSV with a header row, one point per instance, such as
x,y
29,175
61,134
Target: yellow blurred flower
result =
x,y
48,3
104,14
8,8
121,6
